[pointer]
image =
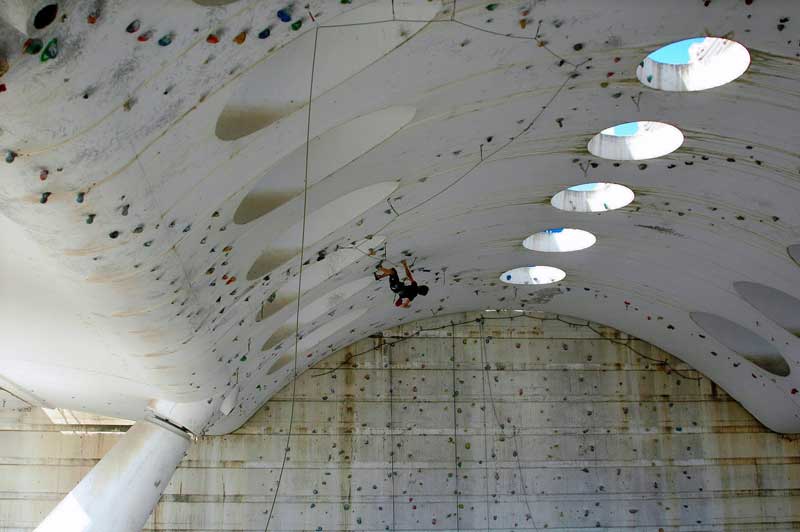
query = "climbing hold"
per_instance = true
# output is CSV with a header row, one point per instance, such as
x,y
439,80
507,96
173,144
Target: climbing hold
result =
x,y
231,280
166,40
138,229
148,243
113,234
296,25
10,156
50,51
144,37
346,1
227,249
43,174
32,46
128,104
263,34
212,39
92,18
4,66
284,15
491,7
239,39
79,197
523,22
3,87
133,27
44,197
90,218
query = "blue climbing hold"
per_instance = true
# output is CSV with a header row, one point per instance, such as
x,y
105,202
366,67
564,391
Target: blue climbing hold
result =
x,y
166,40
264,33
284,15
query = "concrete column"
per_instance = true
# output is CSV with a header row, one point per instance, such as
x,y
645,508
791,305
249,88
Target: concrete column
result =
x,y
121,491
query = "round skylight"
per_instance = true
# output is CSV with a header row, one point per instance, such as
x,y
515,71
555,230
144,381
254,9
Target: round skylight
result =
x,y
533,275
593,197
559,239
634,141
694,64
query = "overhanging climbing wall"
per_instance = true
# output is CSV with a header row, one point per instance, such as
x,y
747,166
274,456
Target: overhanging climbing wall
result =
x,y
515,423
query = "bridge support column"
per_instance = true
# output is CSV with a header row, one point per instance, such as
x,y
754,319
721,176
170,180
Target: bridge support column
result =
x,y
121,491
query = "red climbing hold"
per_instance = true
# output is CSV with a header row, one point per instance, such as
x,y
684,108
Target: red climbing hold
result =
x,y
231,280
212,39
43,174
794,391
92,18
144,37
3,87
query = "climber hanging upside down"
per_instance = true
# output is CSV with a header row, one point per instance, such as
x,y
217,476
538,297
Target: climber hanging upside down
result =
x,y
404,291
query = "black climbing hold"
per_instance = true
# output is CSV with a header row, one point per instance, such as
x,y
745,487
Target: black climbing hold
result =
x,y
80,196
113,234
90,218
45,196
45,16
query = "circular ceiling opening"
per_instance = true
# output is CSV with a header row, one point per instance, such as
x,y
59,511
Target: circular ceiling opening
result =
x,y
694,64
593,197
635,141
559,239
45,16
743,341
533,275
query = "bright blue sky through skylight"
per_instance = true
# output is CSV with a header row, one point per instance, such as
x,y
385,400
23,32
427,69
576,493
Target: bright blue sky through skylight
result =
x,y
588,187
626,130
676,53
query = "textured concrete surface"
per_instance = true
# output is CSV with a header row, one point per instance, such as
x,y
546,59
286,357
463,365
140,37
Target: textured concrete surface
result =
x,y
528,423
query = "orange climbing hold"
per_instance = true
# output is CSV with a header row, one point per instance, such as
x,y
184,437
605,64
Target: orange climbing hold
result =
x,y
239,39
212,39
231,280
92,18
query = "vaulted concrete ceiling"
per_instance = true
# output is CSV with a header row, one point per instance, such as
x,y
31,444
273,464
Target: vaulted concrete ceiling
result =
x,y
161,156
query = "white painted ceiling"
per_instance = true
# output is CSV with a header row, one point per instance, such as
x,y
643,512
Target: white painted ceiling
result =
x,y
438,132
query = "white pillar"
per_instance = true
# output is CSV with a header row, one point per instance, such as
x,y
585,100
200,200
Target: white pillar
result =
x,y
121,491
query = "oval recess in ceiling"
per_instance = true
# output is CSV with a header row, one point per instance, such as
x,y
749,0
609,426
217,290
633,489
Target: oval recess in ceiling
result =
x,y
694,64
279,85
593,197
316,273
319,224
315,337
743,341
327,153
317,308
775,304
794,253
634,141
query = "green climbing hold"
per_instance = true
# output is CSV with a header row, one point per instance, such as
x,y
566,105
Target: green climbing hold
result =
x,y
346,1
166,40
296,24
243,359
649,78
50,51
491,7
10,156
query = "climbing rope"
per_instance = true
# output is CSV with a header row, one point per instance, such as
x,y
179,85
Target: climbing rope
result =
x,y
299,286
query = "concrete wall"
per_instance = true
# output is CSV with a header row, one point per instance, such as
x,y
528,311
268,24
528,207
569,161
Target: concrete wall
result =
x,y
548,426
